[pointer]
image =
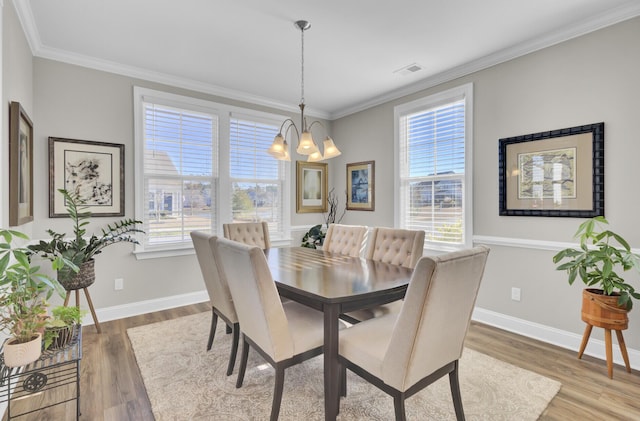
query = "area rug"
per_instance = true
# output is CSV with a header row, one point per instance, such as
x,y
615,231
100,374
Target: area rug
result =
x,y
185,382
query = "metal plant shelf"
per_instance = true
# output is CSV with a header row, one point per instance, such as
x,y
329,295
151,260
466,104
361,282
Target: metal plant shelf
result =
x,y
54,369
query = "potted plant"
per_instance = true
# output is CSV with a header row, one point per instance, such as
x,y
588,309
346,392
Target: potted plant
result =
x,y
602,254
23,294
73,257
314,238
61,327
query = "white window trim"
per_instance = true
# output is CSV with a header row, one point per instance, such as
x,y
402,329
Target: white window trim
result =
x,y
455,94
224,112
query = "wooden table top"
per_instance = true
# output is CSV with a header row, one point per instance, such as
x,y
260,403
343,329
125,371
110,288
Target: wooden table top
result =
x,y
329,277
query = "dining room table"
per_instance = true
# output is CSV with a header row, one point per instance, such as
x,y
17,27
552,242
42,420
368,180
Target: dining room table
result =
x,y
334,284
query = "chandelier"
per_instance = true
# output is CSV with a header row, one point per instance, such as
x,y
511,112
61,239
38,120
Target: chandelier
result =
x,y
306,145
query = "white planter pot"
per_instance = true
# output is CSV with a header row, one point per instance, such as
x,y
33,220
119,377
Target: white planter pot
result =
x,y
17,355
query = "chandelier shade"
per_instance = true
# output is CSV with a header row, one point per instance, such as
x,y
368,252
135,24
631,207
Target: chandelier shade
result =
x,y
306,145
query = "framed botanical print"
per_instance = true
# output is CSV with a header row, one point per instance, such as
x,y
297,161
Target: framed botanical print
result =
x,y
20,166
311,187
93,170
361,186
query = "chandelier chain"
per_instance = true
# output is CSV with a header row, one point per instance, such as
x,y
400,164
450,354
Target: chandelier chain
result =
x,y
302,67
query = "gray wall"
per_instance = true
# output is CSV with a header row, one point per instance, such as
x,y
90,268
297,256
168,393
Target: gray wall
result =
x,y
586,80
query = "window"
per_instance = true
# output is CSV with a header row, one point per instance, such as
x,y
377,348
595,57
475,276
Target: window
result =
x,y
433,155
200,164
257,181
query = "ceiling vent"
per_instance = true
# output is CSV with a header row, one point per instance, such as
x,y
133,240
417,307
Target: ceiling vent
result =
x,y
410,69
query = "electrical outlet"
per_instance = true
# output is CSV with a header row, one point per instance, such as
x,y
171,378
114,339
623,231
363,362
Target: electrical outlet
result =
x,y
515,294
118,284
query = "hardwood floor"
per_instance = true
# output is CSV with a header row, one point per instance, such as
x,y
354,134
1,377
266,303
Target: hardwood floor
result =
x,y
112,389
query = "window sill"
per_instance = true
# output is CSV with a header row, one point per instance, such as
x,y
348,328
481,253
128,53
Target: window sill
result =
x,y
185,251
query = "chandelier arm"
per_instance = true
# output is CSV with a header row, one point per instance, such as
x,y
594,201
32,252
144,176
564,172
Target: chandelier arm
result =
x,y
285,122
317,122
294,128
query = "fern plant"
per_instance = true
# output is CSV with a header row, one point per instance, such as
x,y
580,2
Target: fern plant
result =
x,y
67,254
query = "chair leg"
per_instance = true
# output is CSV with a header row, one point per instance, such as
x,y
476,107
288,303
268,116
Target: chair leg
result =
x,y
234,348
277,392
398,405
212,331
243,362
454,383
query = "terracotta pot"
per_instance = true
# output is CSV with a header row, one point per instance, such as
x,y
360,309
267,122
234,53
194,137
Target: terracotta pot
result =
x,y
603,310
85,277
19,354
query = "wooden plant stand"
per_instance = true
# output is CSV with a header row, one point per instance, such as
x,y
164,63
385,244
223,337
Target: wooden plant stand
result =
x,y
86,294
602,311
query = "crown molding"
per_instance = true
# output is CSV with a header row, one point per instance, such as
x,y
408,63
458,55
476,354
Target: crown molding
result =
x,y
613,16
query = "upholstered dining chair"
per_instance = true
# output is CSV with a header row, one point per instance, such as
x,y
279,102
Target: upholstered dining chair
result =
x,y
345,239
218,290
251,233
403,353
283,334
395,246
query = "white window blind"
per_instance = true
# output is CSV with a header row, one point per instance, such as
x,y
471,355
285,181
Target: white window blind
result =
x,y
200,164
257,180
180,177
432,153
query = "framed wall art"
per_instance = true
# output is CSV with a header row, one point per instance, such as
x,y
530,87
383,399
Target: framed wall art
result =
x,y
361,186
20,166
93,170
311,187
556,173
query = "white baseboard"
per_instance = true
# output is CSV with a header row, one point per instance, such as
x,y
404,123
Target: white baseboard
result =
x,y
551,335
142,307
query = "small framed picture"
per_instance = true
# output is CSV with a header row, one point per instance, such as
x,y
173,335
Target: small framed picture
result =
x,y
311,187
93,170
20,166
361,186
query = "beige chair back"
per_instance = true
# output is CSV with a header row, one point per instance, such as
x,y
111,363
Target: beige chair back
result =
x,y
430,330
396,246
214,279
345,239
251,233
256,298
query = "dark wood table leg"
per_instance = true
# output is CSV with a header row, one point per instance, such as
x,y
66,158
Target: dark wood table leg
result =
x,y
331,368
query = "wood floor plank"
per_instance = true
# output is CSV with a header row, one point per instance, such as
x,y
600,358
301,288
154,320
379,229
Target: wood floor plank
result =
x,y
112,388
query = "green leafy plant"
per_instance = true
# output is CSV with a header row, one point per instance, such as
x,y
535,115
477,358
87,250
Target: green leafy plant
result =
x,y
601,253
61,322
66,316
314,238
23,290
67,254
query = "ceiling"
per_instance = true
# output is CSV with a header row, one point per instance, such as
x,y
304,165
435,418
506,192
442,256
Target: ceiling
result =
x,y
250,49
